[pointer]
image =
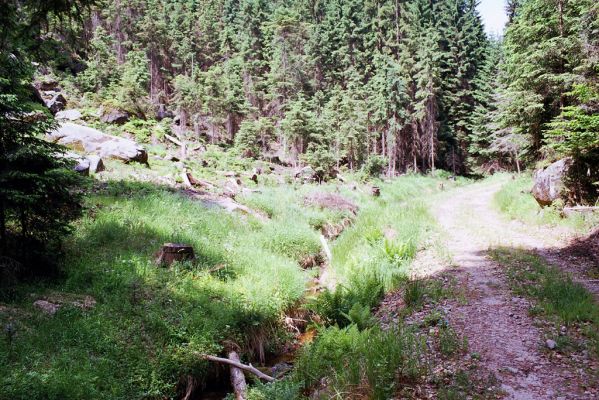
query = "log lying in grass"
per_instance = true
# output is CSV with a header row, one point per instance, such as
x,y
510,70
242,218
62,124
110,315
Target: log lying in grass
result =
x,y
248,368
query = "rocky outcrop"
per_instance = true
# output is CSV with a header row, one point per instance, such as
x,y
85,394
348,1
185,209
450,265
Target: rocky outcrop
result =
x,y
89,140
118,117
549,183
70,115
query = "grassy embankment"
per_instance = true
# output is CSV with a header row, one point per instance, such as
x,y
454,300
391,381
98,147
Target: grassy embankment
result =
x,y
150,324
516,202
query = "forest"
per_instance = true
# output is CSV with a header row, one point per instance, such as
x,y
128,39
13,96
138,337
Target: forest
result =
x,y
404,85
298,199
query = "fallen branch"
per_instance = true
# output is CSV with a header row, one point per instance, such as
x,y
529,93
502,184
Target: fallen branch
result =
x,y
249,368
172,139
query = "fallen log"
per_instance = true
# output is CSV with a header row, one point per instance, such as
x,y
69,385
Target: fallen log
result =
x,y
248,368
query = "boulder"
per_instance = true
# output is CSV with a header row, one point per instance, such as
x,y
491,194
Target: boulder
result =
x,y
71,115
549,182
306,174
46,84
56,103
331,201
89,140
162,113
95,163
115,117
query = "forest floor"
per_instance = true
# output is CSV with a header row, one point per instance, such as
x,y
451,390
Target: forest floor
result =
x,y
511,341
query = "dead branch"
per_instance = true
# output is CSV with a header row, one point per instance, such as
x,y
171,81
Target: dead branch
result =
x,y
249,368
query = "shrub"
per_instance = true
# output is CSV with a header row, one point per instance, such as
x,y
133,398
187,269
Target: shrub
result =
x,y
375,165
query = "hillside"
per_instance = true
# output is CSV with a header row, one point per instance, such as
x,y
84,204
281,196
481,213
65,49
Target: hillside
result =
x,y
267,199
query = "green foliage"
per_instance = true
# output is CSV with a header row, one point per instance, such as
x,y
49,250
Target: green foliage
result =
x,y
369,361
375,165
140,129
574,131
254,136
349,304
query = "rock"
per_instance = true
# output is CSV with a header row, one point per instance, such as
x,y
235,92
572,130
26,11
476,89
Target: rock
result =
x,y
82,167
56,103
71,115
95,164
115,117
46,84
91,140
162,113
306,174
171,252
47,307
549,182
170,157
550,344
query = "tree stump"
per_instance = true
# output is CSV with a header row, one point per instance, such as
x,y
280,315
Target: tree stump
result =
x,y
376,191
171,252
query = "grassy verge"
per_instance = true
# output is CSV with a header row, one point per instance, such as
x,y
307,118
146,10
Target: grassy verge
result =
x,y
149,324
556,298
516,202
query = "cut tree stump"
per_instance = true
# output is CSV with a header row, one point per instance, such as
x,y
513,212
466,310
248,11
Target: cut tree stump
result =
x,y
376,191
171,252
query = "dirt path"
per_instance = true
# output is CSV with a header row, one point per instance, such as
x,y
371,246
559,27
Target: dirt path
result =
x,y
495,322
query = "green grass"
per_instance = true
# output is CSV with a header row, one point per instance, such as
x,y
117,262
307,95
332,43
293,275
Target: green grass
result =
x,y
385,237
150,324
556,296
516,202
357,363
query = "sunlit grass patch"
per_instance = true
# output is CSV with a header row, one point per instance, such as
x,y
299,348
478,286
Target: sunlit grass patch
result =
x,y
516,202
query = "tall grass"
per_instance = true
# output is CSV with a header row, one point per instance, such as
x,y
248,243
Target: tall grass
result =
x,y
362,363
516,202
149,323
